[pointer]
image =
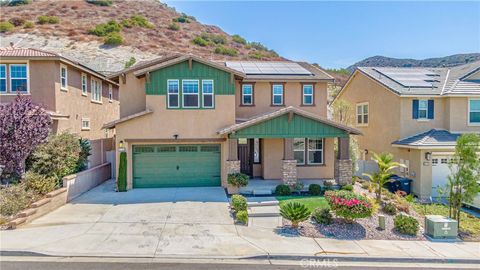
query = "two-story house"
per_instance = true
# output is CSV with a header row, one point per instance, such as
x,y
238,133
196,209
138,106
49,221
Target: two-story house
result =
x,y
79,99
417,114
187,121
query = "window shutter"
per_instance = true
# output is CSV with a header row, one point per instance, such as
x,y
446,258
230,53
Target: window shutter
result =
x,y
431,109
415,109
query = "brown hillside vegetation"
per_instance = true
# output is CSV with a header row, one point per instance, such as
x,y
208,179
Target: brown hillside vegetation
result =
x,y
164,30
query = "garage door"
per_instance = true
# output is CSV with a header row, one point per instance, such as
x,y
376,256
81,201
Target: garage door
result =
x,y
440,173
176,165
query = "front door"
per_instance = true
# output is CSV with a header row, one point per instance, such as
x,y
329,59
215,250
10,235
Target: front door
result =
x,y
245,157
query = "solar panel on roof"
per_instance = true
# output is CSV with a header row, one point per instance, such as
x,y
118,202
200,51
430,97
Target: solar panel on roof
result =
x,y
409,77
268,68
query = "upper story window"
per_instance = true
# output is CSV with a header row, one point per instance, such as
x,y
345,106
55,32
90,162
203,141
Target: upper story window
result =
x,y
96,89
207,94
63,77
190,93
3,78
277,94
362,114
172,93
422,109
84,84
85,123
307,94
18,78
247,94
110,93
474,111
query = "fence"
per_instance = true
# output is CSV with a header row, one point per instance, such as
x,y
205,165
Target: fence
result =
x,y
365,166
83,181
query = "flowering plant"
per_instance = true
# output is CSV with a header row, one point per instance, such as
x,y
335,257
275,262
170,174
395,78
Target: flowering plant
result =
x,y
349,205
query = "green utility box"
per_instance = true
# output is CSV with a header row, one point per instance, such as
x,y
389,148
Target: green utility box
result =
x,y
440,227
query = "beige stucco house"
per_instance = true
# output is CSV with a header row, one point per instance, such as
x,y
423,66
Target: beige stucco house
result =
x,y
79,99
187,121
416,114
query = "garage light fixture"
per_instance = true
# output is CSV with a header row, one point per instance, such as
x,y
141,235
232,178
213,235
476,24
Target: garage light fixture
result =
x,y
428,156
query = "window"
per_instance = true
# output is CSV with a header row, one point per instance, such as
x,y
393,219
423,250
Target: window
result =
x,y
474,111
256,150
3,78
247,94
85,123
96,89
435,161
18,78
207,94
299,150
315,151
110,93
84,84
362,114
190,93
277,94
422,109
172,93
63,77
307,98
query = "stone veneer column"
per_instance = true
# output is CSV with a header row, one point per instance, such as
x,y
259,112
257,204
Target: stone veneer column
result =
x,y
289,171
343,164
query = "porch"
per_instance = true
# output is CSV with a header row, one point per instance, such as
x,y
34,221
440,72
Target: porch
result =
x,y
261,187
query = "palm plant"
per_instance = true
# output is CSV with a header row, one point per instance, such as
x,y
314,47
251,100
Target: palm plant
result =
x,y
386,165
295,212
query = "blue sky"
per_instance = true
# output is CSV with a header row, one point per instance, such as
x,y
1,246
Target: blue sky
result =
x,y
338,34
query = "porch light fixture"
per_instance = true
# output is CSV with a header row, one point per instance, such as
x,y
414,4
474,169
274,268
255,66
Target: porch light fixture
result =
x,y
121,147
175,136
366,151
428,155
120,144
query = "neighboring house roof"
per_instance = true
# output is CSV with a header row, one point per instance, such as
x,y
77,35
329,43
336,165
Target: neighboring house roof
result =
x,y
267,116
126,118
7,53
458,82
434,138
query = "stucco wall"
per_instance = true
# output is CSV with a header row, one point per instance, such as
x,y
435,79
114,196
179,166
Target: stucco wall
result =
x,y
410,126
132,98
457,108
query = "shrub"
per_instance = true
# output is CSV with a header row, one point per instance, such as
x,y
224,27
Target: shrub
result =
x,y
283,190
406,224
5,27
347,187
104,29
85,147
297,187
257,45
314,189
328,185
40,184
113,39
184,18
217,39
28,24
242,216
200,41
122,173
322,216
103,3
16,21
365,185
226,51
237,179
44,19
354,180
295,212
239,39
12,3
174,26
14,199
239,203
349,205
255,55
409,198
137,20
130,62
390,209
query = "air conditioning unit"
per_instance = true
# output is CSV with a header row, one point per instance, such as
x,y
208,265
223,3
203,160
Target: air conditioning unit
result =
x,y
440,227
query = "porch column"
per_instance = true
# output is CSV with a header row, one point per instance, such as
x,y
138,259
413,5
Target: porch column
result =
x,y
232,164
289,163
343,164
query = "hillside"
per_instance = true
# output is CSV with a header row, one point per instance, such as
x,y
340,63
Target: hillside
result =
x,y
144,28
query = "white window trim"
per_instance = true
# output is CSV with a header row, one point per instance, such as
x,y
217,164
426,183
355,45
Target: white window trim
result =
x,y
10,77
307,144
190,94
178,94
5,78
363,114
93,91
85,119
303,151
110,93
281,95
209,94
468,113
86,84
66,78
243,95
304,95
421,119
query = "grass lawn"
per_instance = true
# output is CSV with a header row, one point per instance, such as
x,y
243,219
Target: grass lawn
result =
x,y
468,223
311,202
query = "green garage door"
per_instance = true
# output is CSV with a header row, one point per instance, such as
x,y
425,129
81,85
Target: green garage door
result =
x,y
176,165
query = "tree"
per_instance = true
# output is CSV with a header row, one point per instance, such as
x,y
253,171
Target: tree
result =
x,y
465,172
343,113
23,126
385,167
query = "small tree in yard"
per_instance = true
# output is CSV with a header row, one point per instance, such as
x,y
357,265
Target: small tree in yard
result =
x,y
465,172
23,126
385,167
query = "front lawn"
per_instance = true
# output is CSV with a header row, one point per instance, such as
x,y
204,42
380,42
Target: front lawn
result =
x,y
311,202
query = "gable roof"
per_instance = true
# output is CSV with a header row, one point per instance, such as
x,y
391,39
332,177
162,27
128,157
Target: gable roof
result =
x,y
434,138
458,83
112,124
25,52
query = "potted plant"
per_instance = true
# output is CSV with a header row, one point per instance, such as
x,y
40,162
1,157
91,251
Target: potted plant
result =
x,y
236,181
